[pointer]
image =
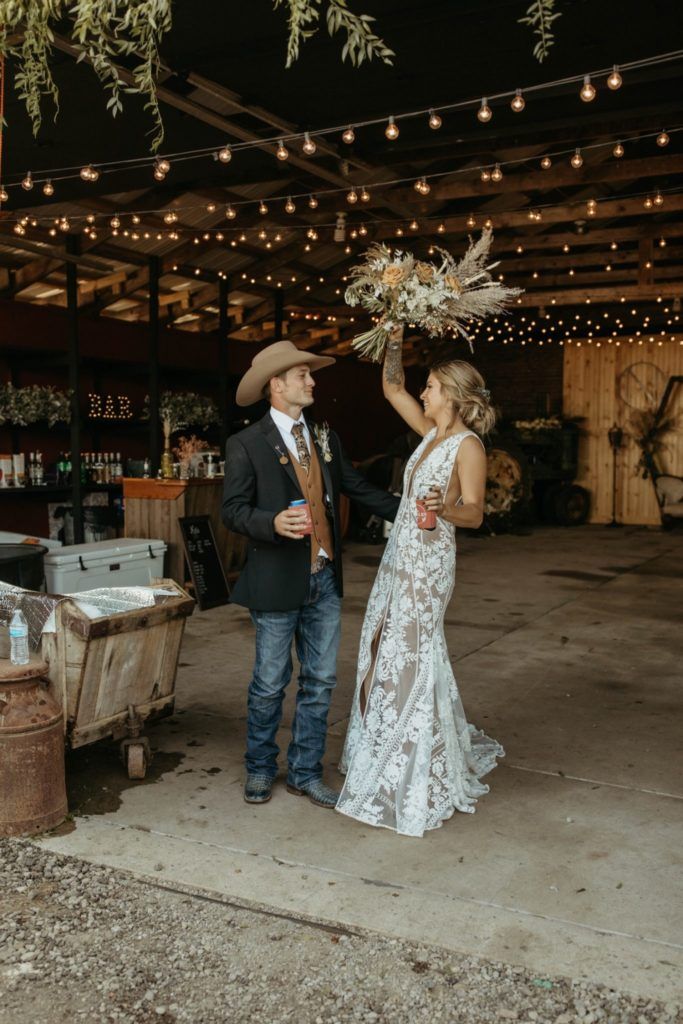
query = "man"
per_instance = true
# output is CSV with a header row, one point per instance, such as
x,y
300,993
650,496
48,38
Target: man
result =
x,y
292,581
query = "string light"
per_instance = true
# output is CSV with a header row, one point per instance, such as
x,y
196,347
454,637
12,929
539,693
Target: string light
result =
x,y
163,164
662,139
19,228
230,212
587,92
658,199
471,221
414,226
89,173
435,121
391,130
225,155
309,147
441,228
27,183
135,219
518,102
488,223
312,202
485,174
262,209
289,205
364,195
48,188
614,79
158,172
115,223
577,159
618,151
546,163
282,153
362,230
170,217
496,173
484,114
4,196
662,243
348,136
648,203
352,196
422,186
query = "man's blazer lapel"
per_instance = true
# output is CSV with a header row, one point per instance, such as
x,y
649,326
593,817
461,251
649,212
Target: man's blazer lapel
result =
x,y
274,439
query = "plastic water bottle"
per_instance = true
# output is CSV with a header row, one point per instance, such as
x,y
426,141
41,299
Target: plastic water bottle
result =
x,y
18,638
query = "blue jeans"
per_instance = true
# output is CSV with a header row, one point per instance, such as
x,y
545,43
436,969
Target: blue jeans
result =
x,y
316,628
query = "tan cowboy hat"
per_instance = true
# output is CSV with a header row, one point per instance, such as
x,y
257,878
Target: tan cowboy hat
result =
x,y
271,361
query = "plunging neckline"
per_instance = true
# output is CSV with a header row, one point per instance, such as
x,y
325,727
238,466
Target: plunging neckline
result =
x,y
423,458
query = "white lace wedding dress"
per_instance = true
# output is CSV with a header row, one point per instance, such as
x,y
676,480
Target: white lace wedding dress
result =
x,y
412,759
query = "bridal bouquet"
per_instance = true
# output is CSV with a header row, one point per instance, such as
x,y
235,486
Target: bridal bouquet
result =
x,y
436,298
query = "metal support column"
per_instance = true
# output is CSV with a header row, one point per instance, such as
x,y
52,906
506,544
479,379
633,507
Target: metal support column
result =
x,y
154,432
73,249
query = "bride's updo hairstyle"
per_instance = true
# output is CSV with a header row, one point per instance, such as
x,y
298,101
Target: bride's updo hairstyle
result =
x,y
465,386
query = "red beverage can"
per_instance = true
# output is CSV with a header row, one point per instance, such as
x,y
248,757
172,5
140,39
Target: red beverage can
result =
x,y
301,505
426,517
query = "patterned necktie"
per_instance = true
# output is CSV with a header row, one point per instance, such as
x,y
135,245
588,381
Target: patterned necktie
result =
x,y
302,451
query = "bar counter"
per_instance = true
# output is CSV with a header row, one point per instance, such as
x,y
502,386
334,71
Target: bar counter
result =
x,y
152,509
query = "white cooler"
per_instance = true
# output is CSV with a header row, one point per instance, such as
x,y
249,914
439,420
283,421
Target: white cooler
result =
x,y
125,562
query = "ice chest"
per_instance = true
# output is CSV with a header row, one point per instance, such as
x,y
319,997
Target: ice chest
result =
x,y
125,562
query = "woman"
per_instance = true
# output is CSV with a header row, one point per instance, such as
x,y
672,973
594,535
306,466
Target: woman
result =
x,y
410,757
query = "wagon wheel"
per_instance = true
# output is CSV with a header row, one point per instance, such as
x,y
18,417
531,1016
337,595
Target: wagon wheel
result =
x,y
641,385
136,761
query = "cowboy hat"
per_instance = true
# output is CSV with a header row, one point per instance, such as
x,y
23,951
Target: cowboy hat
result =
x,y
270,362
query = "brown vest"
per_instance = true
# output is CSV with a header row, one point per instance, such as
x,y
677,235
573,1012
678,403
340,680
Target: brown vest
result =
x,y
313,490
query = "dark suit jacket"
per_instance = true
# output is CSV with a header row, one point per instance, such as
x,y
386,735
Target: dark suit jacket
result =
x,y
257,487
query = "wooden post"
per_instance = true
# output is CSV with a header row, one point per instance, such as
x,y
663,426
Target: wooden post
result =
x,y
154,448
279,313
223,324
73,247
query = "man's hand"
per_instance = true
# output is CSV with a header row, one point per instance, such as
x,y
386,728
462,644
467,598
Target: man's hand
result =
x,y
289,523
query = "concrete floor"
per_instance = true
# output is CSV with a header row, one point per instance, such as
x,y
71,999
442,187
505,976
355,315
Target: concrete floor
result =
x,y
568,646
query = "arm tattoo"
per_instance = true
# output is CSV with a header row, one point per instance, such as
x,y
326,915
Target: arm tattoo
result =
x,y
393,364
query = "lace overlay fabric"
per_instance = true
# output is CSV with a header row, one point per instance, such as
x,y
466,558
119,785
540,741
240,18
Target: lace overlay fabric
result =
x,y
412,759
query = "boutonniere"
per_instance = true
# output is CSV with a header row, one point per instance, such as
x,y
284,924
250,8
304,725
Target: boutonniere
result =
x,y
321,433
283,458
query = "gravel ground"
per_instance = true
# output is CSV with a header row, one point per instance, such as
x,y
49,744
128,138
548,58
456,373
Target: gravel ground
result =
x,y
82,942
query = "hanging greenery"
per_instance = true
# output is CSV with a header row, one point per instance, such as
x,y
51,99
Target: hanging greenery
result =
x,y
33,404
539,17
102,31
649,431
361,42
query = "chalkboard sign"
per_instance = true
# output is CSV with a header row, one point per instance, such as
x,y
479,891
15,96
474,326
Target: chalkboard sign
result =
x,y
206,569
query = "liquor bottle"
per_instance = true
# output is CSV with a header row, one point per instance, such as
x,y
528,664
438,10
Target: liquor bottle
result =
x,y
146,469
67,469
32,469
99,468
119,466
39,469
84,468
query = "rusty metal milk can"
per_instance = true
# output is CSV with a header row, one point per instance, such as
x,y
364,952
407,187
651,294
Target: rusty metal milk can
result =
x,y
32,786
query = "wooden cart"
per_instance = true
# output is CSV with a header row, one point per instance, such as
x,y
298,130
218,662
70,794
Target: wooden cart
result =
x,y
112,673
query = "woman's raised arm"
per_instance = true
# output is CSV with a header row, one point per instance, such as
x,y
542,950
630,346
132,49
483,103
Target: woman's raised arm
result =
x,y
393,383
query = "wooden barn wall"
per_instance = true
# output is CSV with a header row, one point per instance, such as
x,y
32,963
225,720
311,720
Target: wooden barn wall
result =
x,y
591,377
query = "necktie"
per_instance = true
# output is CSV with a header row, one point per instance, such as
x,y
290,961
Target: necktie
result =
x,y
302,451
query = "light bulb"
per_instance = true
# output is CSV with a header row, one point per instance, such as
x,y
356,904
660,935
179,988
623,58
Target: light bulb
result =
x,y
546,163
488,223
64,224
587,92
471,221
170,217
164,165
484,113
613,246
658,199
648,203
4,195
159,172
262,208
496,173
441,228
282,153
309,147
289,205
225,155
115,223
519,249
48,188
364,195
662,243
485,174
230,212
312,202
210,207
614,79
391,130
435,121
352,196
577,159
90,218
662,139
618,151
414,225
566,247
27,183
263,234
399,232
348,136
19,228
135,219
362,230
518,102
